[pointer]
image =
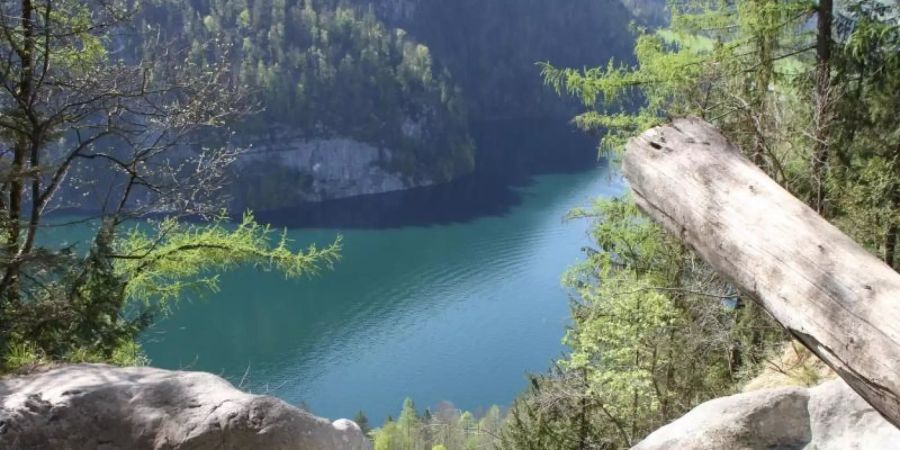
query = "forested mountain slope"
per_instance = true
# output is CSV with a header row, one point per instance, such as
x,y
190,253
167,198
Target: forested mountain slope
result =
x,y
491,46
330,80
363,96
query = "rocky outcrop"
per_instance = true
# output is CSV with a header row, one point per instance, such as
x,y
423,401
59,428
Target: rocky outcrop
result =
x,y
292,171
840,419
830,416
105,407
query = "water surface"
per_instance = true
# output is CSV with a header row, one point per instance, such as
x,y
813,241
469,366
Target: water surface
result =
x,y
438,306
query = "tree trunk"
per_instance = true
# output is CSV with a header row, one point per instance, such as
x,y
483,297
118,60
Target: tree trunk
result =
x,y
823,85
8,286
829,292
890,245
893,231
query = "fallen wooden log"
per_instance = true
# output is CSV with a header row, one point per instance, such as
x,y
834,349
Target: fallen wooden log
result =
x,y
834,296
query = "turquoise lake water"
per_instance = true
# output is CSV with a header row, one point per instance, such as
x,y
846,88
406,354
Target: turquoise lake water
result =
x,y
442,310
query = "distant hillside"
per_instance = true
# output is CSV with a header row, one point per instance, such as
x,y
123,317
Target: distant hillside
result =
x,y
325,70
491,46
387,88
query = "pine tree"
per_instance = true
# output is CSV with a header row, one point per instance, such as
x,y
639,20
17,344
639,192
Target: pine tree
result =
x,y
363,422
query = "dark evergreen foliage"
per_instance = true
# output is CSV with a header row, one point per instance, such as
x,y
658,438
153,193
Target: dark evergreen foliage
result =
x,y
323,68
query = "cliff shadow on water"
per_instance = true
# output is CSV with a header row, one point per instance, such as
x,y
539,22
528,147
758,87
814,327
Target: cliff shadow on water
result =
x,y
510,153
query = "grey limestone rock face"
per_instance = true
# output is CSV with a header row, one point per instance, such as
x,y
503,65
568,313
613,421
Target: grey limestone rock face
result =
x,y
93,406
830,416
771,419
841,420
295,170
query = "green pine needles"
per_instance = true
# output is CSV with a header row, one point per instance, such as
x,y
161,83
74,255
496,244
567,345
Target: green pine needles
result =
x,y
96,305
122,140
161,264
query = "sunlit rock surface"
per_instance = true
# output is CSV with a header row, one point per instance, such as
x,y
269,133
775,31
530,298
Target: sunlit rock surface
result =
x,y
104,407
827,417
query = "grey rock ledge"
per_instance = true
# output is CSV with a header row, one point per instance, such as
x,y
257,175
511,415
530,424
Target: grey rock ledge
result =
x,y
830,416
92,406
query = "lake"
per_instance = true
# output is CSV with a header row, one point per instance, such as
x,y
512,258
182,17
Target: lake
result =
x,y
449,293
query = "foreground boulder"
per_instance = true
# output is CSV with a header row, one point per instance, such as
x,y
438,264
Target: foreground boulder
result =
x,y
105,407
830,416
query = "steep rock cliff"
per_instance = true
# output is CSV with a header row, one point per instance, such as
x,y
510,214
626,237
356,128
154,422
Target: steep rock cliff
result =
x,y
293,170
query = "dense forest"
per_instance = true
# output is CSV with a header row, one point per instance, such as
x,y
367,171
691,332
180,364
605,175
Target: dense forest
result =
x,y
491,47
407,78
322,68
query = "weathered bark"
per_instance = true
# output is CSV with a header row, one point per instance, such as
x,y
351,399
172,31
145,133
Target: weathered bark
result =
x,y
838,299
